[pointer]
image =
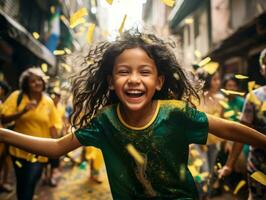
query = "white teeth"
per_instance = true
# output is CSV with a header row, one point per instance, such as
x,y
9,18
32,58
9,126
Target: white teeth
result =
x,y
134,92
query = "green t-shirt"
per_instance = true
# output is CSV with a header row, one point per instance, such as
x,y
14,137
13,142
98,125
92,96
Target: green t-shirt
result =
x,y
164,145
236,105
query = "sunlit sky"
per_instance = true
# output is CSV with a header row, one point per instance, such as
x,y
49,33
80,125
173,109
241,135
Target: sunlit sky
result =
x,y
116,12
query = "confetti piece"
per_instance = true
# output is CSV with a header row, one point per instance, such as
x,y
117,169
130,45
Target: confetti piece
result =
x,y
263,107
197,53
239,186
204,175
77,17
77,22
251,85
253,99
259,176
58,52
90,33
239,76
66,67
67,50
224,104
83,165
226,188
198,162
229,114
135,154
169,3
122,24
227,92
44,67
36,35
193,170
18,164
204,61
219,165
109,1
52,9
182,172
211,67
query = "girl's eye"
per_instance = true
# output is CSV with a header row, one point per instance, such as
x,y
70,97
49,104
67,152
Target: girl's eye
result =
x,y
123,72
145,72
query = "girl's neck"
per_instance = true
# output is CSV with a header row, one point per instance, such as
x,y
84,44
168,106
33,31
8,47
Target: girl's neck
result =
x,y
139,118
35,96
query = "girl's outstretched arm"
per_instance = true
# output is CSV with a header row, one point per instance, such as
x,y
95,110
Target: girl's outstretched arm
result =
x,y
235,131
52,148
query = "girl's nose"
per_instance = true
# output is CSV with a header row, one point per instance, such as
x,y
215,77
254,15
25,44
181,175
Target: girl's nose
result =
x,y
134,78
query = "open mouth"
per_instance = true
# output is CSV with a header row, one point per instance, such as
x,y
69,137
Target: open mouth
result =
x,y
134,93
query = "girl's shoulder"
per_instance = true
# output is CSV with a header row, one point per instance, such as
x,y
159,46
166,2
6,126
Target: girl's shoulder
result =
x,y
172,104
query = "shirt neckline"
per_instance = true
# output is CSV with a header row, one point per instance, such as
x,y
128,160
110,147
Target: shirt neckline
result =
x,y
134,127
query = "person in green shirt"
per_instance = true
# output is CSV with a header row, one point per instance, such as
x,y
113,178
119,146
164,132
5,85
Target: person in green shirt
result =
x,y
135,103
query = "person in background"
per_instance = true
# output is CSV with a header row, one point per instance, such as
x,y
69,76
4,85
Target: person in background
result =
x,y
210,103
5,162
35,116
254,115
52,171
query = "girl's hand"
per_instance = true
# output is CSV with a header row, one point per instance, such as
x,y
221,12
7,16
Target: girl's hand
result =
x,y
30,106
225,171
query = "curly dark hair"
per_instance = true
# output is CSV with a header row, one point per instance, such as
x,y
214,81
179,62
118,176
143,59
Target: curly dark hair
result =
x,y
206,78
90,86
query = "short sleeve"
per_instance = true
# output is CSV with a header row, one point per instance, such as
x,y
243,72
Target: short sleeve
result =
x,y
9,106
196,126
91,135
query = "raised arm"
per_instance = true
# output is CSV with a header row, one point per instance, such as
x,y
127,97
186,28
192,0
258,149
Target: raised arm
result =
x,y
52,148
236,132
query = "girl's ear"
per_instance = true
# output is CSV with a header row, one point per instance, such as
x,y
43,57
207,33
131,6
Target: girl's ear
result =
x,y
110,82
160,82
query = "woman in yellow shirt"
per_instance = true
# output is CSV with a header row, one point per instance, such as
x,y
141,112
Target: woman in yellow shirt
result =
x,y
35,115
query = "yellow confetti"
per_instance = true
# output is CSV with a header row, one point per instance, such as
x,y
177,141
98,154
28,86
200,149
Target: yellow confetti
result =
x,y
90,33
229,114
197,53
239,186
170,3
193,170
211,67
263,107
66,66
239,76
204,175
59,52
224,104
219,165
77,22
36,35
227,92
204,61
135,154
52,9
109,1
253,99
182,172
122,24
67,50
77,17
260,177
44,67
198,162
226,188
18,164
251,85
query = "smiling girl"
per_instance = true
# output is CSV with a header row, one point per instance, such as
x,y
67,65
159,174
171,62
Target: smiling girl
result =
x,y
134,92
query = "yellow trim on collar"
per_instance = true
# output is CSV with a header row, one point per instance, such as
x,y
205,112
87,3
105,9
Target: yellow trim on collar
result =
x,y
138,128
